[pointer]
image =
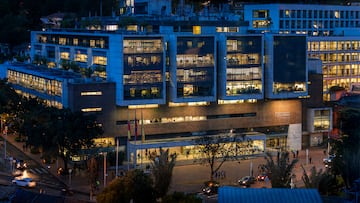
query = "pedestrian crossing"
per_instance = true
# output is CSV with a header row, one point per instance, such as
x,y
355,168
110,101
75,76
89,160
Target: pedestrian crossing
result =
x,y
38,171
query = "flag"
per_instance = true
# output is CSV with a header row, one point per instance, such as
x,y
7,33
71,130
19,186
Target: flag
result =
x,y
142,128
129,130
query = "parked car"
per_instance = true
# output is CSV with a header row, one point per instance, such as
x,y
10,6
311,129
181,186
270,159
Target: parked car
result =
x,y
24,182
67,191
210,188
246,180
329,159
262,177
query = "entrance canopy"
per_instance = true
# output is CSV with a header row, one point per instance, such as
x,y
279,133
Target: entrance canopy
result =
x,y
185,147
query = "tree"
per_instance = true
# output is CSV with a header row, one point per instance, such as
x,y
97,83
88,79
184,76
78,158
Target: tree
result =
x,y
135,185
60,132
214,151
280,170
324,182
347,147
162,170
9,99
76,131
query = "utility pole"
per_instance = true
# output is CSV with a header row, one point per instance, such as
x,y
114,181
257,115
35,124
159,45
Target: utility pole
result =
x,y
117,158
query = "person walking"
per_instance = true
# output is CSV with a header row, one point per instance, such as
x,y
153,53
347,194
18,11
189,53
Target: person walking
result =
x,y
310,159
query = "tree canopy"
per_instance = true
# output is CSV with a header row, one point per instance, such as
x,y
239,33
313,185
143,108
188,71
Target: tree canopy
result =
x,y
347,147
57,132
280,169
135,185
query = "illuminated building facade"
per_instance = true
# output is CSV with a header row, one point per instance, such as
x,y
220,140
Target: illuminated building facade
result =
x,y
181,85
332,30
184,79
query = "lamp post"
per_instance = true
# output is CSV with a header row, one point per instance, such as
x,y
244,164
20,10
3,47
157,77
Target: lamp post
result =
x,y
104,166
105,174
5,137
117,158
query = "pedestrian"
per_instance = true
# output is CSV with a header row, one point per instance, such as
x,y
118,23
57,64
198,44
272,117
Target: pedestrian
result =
x,y
310,159
297,153
222,174
324,151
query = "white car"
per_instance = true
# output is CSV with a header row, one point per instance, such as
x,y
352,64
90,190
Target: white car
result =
x,y
329,159
24,182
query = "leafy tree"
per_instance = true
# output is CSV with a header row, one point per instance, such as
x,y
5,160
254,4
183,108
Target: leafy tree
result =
x,y
76,131
214,151
116,191
9,99
280,169
347,147
135,185
27,115
162,170
324,182
60,132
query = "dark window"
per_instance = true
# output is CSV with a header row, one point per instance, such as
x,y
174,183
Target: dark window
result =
x,y
289,63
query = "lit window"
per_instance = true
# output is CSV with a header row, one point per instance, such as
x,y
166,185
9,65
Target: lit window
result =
x,y
80,57
92,43
287,13
91,93
188,90
102,43
132,28
132,92
196,30
76,41
148,106
65,55
62,41
111,27
91,109
261,23
337,14
100,60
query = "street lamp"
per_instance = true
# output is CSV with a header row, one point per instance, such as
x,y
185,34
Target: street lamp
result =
x,y
105,174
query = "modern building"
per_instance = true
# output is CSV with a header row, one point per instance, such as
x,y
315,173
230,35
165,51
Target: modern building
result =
x,y
179,77
333,32
183,85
